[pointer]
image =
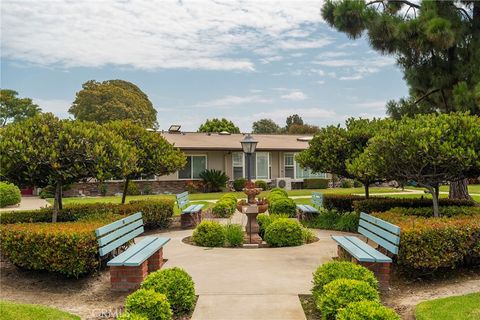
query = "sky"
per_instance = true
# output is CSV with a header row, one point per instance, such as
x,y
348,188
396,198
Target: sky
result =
x,y
197,60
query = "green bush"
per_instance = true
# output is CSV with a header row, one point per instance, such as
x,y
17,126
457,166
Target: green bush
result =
x,y
443,211
315,183
284,233
156,213
378,204
47,192
214,180
261,184
339,293
307,235
9,194
209,234
69,248
239,184
334,220
428,244
334,270
264,220
102,189
131,316
366,310
272,197
342,203
176,284
234,235
346,184
132,189
283,206
357,184
279,191
150,304
226,206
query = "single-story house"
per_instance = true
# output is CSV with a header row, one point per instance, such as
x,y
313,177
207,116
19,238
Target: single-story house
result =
x,y
273,161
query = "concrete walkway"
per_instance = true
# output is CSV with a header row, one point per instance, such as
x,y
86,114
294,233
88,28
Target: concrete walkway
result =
x,y
28,203
249,283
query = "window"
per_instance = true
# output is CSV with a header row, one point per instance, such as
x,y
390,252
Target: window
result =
x,y
261,165
295,171
238,165
289,163
195,165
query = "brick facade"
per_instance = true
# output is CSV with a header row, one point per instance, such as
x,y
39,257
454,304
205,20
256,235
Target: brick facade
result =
x,y
115,187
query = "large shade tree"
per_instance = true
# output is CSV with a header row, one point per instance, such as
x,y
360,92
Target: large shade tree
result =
x,y
426,149
46,151
265,126
14,109
436,43
218,125
155,155
111,100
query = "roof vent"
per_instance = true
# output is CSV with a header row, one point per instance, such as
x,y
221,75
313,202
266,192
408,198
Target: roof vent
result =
x,y
174,128
305,139
224,133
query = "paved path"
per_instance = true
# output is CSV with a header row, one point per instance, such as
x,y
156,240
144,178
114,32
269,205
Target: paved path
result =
x,y
28,203
249,283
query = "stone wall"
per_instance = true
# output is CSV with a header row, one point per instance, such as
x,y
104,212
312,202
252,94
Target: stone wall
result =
x,y
115,187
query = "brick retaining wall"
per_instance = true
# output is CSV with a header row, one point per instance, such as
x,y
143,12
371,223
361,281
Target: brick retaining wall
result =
x,y
114,187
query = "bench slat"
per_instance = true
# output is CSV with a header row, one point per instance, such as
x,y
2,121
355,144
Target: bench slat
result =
x,y
301,207
317,199
130,252
310,208
379,257
193,208
122,240
353,249
182,199
117,224
146,252
119,232
394,239
380,241
381,223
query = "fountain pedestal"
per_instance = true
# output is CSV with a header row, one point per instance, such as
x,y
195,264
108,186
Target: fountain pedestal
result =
x,y
252,228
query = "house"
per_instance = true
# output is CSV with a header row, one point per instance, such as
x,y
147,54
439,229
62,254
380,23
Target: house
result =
x,y
274,160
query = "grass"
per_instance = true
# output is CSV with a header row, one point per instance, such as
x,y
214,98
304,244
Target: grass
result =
x,y
472,188
465,307
14,311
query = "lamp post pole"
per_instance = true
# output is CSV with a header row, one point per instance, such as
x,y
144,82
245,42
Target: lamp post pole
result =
x,y
249,144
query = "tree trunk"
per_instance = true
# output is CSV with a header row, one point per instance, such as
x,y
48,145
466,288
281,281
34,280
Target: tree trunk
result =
x,y
366,185
125,189
459,190
56,201
60,198
432,190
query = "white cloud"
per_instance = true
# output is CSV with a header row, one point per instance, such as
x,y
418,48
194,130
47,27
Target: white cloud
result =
x,y
154,35
230,101
58,107
356,69
271,59
294,95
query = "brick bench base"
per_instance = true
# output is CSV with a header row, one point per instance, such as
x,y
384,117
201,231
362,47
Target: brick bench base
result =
x,y
380,269
124,278
190,220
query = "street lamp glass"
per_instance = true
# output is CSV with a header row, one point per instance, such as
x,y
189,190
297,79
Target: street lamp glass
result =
x,y
249,144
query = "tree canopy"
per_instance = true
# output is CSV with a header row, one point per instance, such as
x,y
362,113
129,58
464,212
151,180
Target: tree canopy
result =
x,y
111,100
44,150
155,155
294,119
14,109
265,126
218,125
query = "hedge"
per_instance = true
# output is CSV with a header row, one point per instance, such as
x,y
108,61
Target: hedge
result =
x,y
156,213
315,183
68,248
9,194
226,206
342,203
209,234
385,204
283,206
428,244
366,310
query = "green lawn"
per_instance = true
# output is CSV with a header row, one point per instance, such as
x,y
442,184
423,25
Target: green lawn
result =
x,y
465,307
473,188
15,311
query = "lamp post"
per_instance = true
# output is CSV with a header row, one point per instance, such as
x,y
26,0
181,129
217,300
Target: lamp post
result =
x,y
249,144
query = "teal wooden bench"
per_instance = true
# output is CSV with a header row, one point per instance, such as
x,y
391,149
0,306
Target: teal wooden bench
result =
x,y
191,214
130,267
307,211
384,234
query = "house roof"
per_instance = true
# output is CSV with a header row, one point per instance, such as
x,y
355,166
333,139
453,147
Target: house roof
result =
x,y
215,141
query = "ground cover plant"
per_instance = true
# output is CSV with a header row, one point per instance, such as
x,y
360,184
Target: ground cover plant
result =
x,y
15,311
466,307
9,194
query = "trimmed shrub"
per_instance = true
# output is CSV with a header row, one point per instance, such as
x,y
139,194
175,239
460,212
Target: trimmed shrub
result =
x,y
280,191
315,183
378,204
346,184
209,234
427,244
272,197
284,233
68,248
334,270
9,194
307,235
334,220
150,304
283,206
239,184
131,316
226,206
234,235
132,189
264,220
261,184
176,284
339,293
366,310
156,213
342,203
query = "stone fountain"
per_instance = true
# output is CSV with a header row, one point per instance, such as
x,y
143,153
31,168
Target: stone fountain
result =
x,y
251,209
